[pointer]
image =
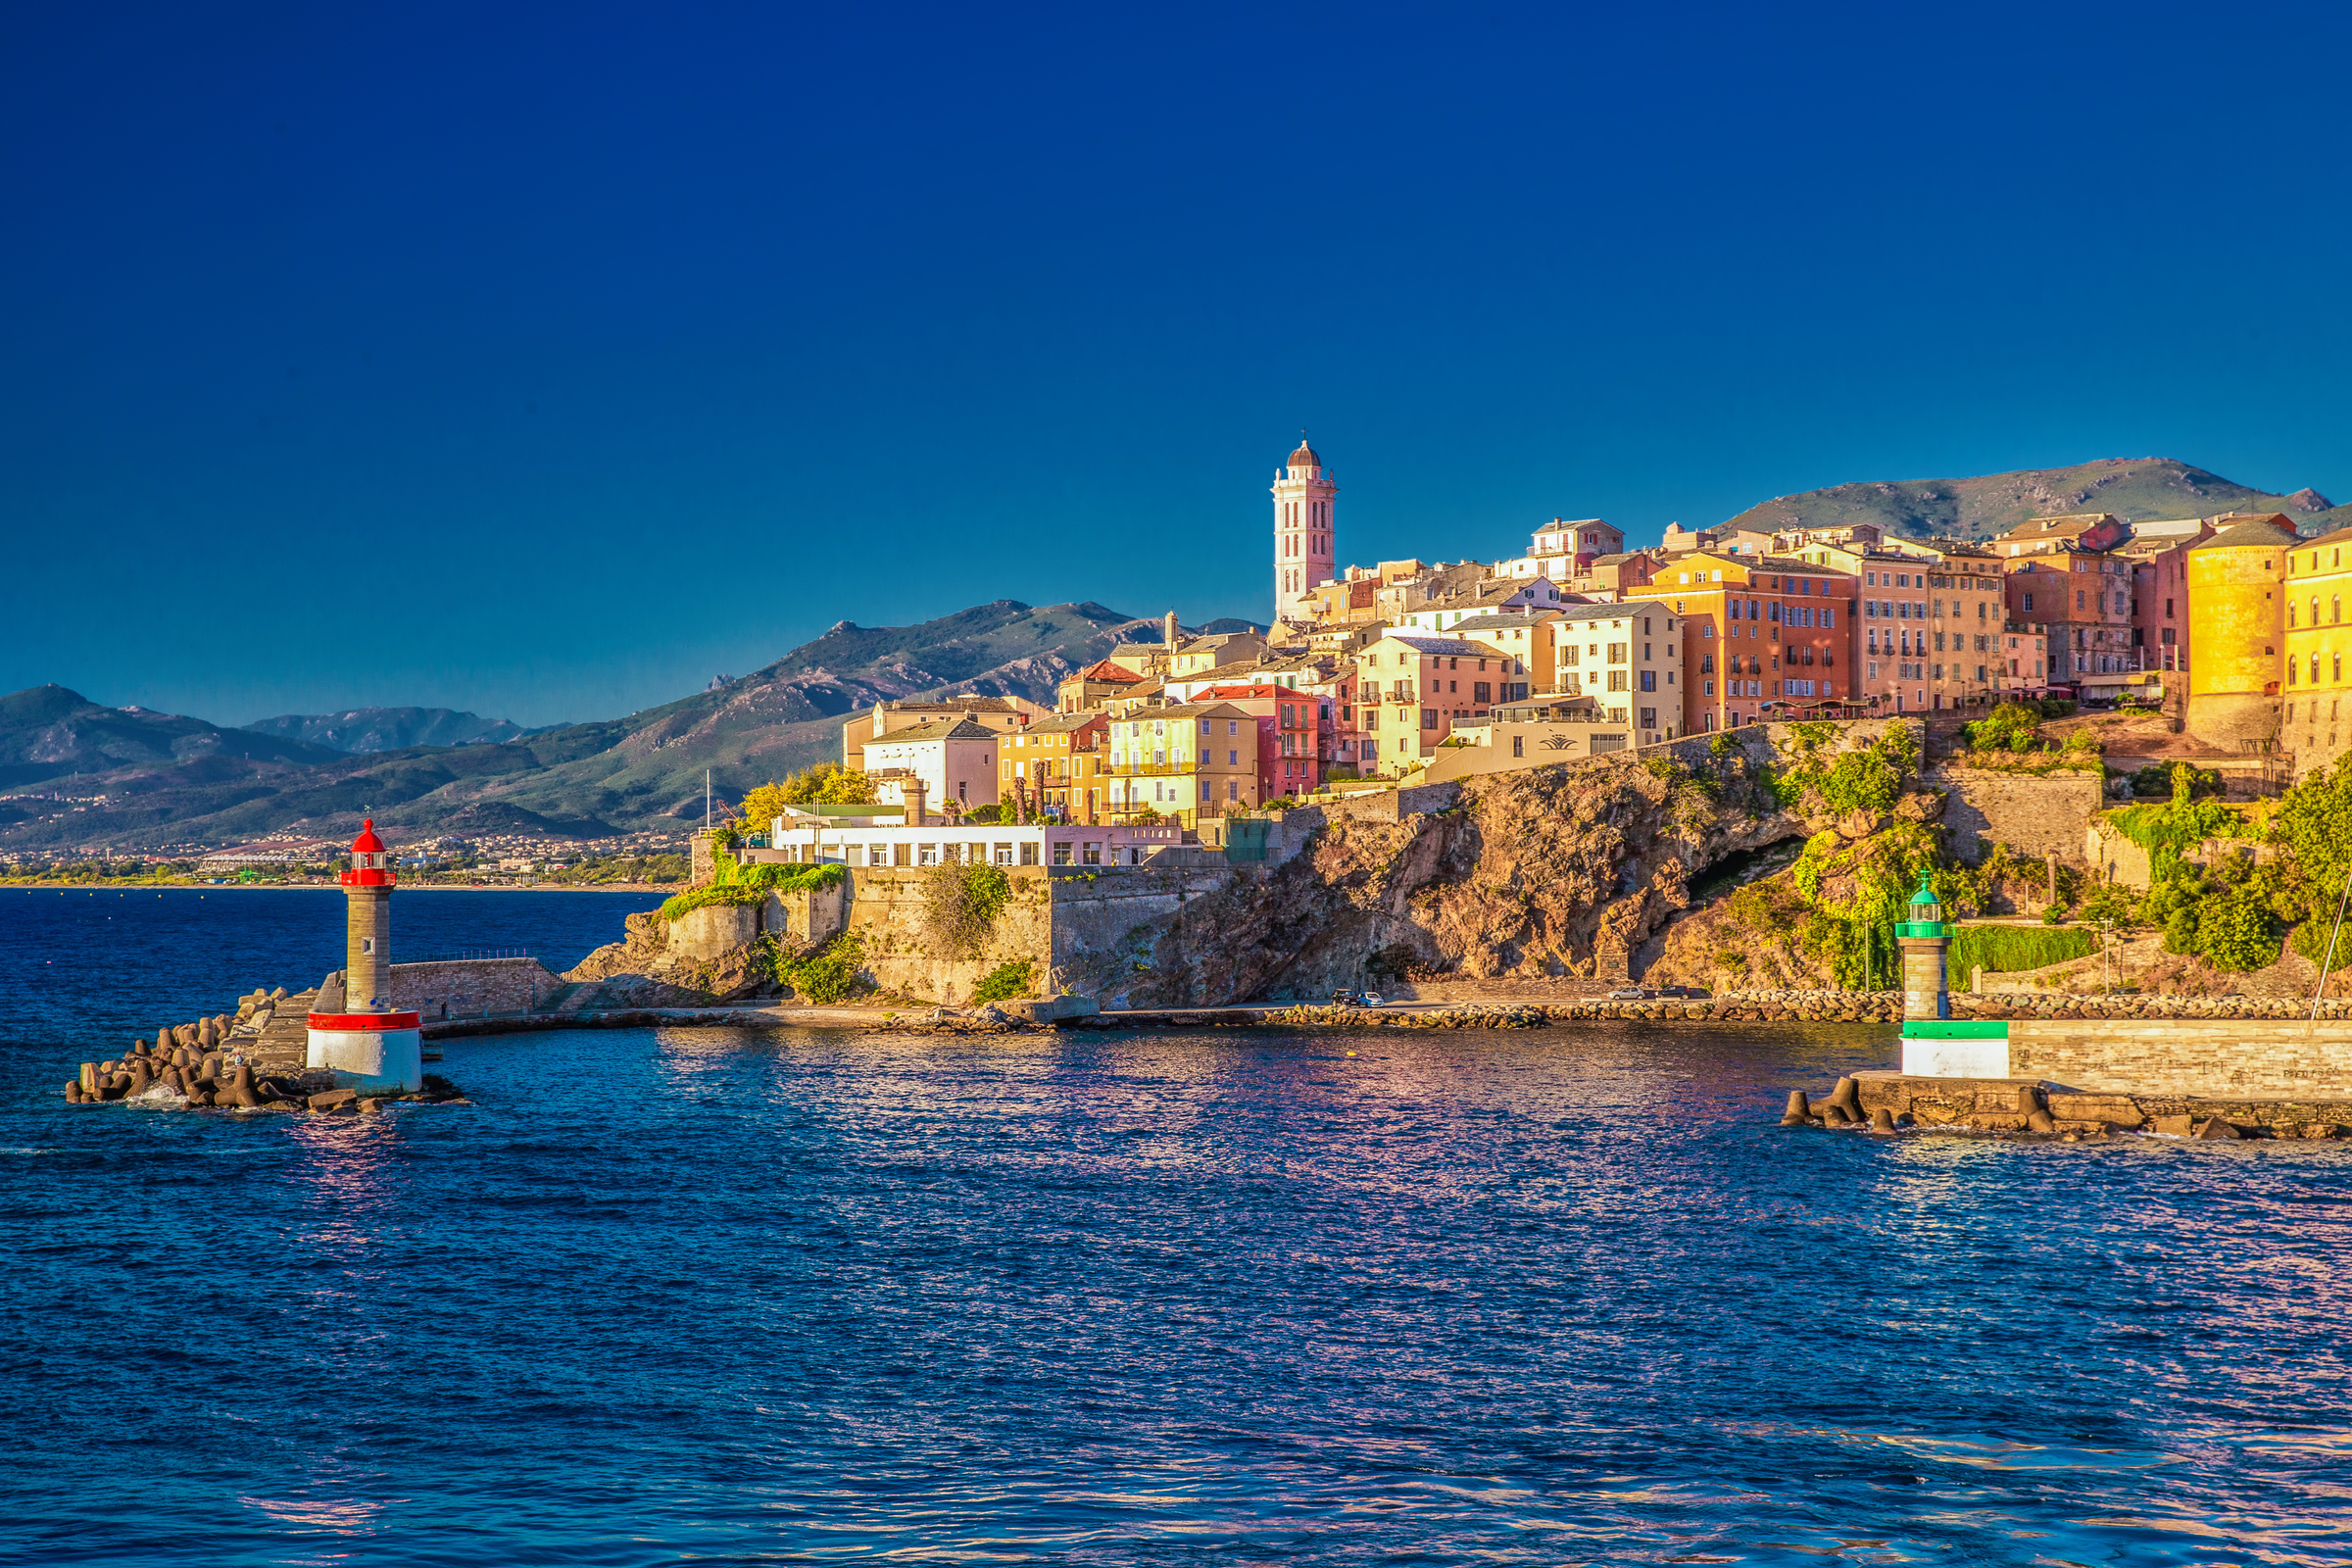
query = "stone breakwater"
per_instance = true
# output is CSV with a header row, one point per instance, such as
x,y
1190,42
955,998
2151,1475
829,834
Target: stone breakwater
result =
x,y
2061,1005
253,1060
1894,1103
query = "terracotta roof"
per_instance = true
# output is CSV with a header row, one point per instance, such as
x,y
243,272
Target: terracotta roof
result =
x,y
943,729
1106,670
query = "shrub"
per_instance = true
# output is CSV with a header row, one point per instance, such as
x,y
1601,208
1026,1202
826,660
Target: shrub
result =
x,y
2237,933
962,903
834,974
2010,727
1005,981
2310,939
2001,948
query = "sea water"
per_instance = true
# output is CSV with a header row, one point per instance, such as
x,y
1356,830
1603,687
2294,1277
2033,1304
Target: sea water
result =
x,y
1548,1296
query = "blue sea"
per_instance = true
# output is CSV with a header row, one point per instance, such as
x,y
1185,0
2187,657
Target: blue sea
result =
x,y
803,1296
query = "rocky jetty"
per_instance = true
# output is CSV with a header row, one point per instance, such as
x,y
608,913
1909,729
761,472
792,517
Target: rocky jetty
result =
x,y
252,1059
1894,1103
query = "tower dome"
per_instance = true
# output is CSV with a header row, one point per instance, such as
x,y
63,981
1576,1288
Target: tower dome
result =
x,y
368,843
1304,456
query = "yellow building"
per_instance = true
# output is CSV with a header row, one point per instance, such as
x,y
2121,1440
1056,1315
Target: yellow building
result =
x,y
2237,623
2316,725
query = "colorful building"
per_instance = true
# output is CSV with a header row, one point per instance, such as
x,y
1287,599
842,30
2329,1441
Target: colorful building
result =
x,y
1412,691
1184,762
2081,600
2238,599
1760,631
1931,627
2317,721
1057,763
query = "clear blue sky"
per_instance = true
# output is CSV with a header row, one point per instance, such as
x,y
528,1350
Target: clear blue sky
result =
x,y
576,354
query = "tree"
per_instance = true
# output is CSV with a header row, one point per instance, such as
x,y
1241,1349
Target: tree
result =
x,y
2314,824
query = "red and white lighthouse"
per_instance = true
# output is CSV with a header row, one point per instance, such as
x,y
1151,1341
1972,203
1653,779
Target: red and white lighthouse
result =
x,y
367,1046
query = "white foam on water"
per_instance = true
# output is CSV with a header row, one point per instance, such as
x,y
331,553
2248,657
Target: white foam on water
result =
x,y
158,1096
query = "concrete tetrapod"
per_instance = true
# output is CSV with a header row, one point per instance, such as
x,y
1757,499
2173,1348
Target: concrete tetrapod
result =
x,y
1799,1112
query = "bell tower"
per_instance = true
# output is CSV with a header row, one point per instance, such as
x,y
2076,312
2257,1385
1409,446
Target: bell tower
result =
x,y
1303,552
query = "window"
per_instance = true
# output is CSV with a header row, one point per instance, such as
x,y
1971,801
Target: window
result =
x,y
1029,854
1649,680
1091,854
1617,682
1518,746
1429,719
1004,855
1061,854
1617,655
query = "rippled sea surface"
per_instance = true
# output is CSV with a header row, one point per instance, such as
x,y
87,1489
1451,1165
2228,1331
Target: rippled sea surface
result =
x,y
1545,1297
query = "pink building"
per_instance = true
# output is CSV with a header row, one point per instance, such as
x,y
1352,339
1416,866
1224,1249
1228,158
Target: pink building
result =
x,y
1296,732
1304,493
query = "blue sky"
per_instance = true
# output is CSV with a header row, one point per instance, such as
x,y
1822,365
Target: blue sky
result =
x,y
586,352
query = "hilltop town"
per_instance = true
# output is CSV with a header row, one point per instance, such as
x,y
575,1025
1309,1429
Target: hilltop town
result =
x,y
1417,671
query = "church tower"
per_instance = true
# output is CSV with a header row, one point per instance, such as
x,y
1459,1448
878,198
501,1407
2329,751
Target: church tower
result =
x,y
1302,544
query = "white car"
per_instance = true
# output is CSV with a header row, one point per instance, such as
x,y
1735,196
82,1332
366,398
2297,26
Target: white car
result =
x,y
1627,996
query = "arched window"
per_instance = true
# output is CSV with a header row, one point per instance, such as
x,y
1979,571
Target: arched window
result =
x,y
2290,671
2335,606
2315,609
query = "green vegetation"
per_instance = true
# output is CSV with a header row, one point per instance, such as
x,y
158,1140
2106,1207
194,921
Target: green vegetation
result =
x,y
2310,940
2159,780
2010,727
2164,831
1866,778
2005,948
1005,981
960,906
831,974
739,884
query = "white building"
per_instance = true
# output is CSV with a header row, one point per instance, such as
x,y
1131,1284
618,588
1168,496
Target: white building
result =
x,y
956,758
1564,550
1623,657
795,840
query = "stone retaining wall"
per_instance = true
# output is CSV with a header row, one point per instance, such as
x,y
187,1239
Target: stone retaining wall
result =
x,y
470,985
2184,1057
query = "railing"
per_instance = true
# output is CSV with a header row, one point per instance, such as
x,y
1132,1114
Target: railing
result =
x,y
465,955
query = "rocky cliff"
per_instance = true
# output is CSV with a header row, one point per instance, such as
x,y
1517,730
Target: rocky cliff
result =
x,y
1570,872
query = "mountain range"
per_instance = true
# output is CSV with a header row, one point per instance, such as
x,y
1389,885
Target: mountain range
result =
x,y
392,729
2132,488
73,772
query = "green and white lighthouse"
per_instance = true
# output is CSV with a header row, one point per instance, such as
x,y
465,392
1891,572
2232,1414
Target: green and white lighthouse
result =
x,y
1935,1045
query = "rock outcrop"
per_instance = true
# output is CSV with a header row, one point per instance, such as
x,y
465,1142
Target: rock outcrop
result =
x,y
1561,872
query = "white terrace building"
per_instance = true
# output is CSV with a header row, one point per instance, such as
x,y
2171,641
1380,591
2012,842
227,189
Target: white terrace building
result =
x,y
799,839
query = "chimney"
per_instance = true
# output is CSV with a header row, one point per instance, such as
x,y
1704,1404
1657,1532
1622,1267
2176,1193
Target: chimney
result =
x,y
1168,631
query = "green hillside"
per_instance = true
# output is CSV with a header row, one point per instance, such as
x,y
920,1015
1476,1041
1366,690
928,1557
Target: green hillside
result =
x,y
2132,488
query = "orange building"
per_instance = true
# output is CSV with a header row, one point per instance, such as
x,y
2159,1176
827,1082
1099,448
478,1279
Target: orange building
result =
x,y
1759,632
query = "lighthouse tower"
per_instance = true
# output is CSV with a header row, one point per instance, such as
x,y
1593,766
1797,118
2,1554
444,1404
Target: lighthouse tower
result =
x,y
1302,545
367,1046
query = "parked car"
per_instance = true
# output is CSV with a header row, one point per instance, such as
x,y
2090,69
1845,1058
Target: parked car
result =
x,y
1371,999
1344,997
1629,995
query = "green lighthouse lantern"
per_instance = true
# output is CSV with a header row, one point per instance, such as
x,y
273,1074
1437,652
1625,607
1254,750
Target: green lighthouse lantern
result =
x,y
1926,913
